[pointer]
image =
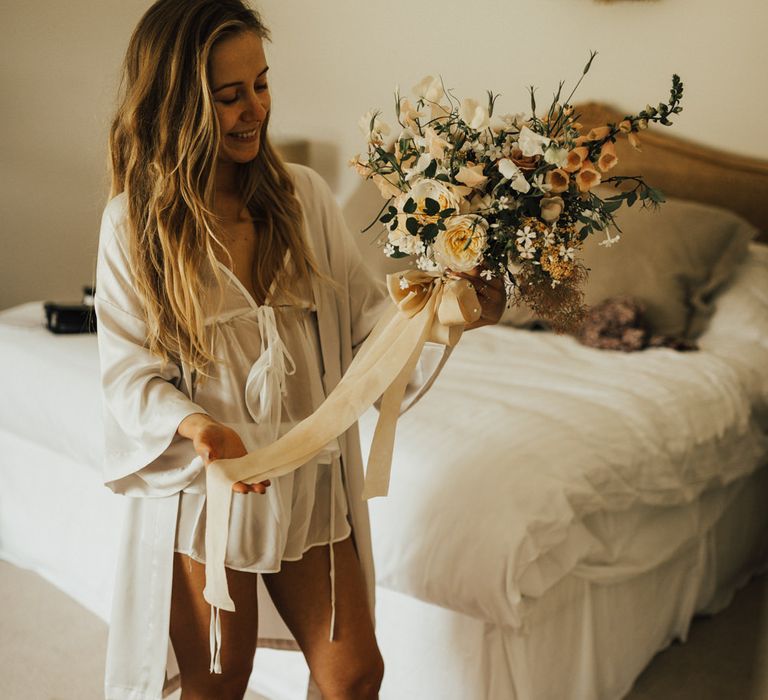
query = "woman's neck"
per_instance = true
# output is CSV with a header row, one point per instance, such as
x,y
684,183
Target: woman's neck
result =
x,y
227,204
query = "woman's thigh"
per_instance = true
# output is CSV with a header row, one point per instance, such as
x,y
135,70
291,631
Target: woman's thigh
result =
x,y
350,665
190,631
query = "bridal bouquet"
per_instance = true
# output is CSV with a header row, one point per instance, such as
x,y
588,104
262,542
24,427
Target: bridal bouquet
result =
x,y
512,194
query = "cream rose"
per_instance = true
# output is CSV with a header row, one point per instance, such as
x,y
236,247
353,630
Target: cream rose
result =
x,y
460,247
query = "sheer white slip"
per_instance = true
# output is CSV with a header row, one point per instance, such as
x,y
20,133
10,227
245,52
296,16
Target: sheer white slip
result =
x,y
270,378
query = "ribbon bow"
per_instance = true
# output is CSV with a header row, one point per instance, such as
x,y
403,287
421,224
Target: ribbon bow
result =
x,y
265,385
426,307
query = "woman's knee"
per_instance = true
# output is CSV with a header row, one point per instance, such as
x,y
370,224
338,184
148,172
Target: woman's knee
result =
x,y
360,681
203,685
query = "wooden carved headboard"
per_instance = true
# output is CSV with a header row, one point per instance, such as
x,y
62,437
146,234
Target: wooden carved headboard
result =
x,y
687,170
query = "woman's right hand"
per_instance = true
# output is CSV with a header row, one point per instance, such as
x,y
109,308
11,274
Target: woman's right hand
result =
x,y
213,440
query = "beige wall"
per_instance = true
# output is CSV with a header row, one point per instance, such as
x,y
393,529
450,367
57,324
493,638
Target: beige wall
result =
x,y
331,61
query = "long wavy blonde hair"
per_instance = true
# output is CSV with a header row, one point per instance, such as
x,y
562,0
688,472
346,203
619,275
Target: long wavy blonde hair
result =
x,y
163,145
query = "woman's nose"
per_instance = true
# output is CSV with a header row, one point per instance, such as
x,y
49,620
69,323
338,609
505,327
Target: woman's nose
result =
x,y
256,109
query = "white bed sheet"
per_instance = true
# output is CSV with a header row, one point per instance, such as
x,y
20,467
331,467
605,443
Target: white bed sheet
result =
x,y
533,457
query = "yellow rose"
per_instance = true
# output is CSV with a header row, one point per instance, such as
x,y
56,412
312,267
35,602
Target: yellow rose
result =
x,y
557,180
608,157
551,208
460,247
587,177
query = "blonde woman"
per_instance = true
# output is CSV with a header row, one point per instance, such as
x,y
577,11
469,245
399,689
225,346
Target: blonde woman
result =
x,y
230,300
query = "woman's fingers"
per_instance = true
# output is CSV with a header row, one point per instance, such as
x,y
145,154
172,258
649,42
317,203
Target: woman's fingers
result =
x,y
243,487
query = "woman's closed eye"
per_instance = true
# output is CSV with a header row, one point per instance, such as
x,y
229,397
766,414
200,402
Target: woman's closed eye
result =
x,y
229,100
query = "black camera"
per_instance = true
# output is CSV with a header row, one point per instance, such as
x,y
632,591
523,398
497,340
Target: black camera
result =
x,y
72,318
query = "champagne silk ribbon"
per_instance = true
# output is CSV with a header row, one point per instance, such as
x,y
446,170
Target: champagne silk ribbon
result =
x,y
426,307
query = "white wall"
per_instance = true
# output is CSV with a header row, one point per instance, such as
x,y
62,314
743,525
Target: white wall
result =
x,y
332,61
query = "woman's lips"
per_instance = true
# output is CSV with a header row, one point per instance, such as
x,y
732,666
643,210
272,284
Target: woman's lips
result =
x,y
245,136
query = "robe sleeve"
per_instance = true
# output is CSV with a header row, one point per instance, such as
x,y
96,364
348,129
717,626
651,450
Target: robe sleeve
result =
x,y
368,298
142,399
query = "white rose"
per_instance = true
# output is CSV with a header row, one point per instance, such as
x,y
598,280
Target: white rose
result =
x,y
471,112
531,143
460,247
441,192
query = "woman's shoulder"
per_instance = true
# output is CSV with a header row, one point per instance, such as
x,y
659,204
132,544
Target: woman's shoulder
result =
x,y
311,189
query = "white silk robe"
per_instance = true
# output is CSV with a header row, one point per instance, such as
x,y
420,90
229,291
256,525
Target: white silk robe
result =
x,y
144,402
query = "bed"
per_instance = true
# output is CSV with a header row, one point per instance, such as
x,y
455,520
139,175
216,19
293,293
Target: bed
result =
x,y
603,498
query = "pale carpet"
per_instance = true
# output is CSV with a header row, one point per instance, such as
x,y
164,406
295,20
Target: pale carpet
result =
x,y
53,649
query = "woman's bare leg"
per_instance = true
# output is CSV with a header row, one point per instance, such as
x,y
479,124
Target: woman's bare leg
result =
x,y
190,626
350,667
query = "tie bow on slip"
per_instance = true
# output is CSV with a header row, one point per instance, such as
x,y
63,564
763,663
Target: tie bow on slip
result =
x,y
427,307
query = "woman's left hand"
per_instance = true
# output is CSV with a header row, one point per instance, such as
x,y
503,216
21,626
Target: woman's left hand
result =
x,y
490,294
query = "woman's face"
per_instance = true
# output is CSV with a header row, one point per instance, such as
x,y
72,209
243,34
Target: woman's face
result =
x,y
238,73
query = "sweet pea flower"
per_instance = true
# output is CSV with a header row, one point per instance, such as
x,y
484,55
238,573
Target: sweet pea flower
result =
x,y
531,143
472,113
409,114
387,185
555,155
510,171
429,89
435,143
373,126
471,175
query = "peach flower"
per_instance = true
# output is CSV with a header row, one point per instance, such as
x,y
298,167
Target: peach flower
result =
x,y
557,180
599,133
587,177
608,157
551,208
575,158
471,175
525,163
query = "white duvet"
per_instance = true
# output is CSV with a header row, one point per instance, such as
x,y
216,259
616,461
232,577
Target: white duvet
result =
x,y
533,457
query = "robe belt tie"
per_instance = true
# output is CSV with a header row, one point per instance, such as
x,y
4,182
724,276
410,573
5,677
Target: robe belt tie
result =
x,y
427,307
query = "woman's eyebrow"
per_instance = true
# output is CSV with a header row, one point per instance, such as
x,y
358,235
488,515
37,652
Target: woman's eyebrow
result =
x,y
238,82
